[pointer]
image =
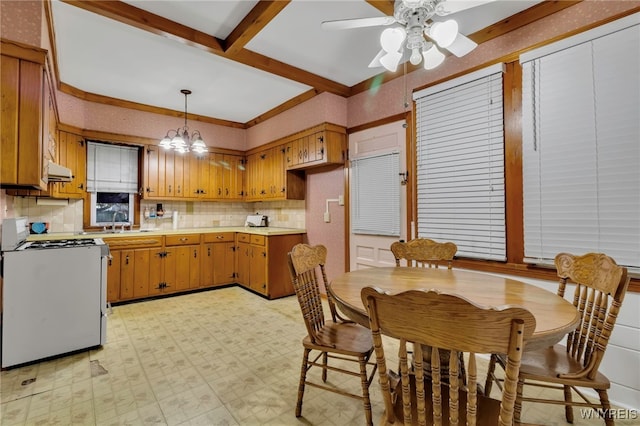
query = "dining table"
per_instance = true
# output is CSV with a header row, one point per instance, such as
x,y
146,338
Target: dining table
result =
x,y
554,316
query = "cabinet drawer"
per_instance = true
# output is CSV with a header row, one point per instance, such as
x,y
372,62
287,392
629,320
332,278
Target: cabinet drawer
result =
x,y
244,238
133,243
257,240
218,237
181,240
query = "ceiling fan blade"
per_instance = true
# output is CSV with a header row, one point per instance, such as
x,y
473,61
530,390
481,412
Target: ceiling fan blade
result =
x,y
375,63
452,6
344,24
462,45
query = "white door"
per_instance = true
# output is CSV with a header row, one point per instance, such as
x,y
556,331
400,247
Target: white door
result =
x,y
367,250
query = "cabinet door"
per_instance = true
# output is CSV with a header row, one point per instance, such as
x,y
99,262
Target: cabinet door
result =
x,y
178,176
162,167
21,144
198,176
113,276
277,172
244,264
253,176
194,266
207,264
224,265
292,153
169,187
141,273
170,270
72,153
218,168
183,263
156,271
234,177
127,274
151,170
318,145
258,269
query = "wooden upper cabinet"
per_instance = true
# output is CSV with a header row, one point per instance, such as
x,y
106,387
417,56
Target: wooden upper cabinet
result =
x,y
316,147
267,178
150,175
72,153
210,177
227,176
22,146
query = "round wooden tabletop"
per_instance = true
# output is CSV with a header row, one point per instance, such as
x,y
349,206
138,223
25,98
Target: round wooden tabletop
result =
x,y
555,316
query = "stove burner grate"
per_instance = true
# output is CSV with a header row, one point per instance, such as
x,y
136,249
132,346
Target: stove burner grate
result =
x,y
44,244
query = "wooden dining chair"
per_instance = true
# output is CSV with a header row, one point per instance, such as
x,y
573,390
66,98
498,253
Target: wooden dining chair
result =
x,y
452,324
427,253
424,252
600,289
332,338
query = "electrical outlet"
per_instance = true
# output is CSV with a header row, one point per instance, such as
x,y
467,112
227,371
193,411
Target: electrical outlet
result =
x,y
341,200
327,217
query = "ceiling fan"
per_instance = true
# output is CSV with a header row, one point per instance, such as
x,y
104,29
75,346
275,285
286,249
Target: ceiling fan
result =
x,y
415,31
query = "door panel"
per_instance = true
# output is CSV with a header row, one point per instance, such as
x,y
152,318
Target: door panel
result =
x,y
367,251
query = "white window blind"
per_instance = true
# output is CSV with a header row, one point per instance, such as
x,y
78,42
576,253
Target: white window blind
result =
x,y
375,195
581,145
460,164
112,168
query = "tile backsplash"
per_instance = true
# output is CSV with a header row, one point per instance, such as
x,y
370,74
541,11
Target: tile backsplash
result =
x,y
61,218
282,214
68,217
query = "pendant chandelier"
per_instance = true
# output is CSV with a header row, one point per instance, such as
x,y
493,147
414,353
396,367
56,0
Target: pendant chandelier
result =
x,y
180,140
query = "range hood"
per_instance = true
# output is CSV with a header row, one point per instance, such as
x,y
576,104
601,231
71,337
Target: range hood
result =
x,y
58,173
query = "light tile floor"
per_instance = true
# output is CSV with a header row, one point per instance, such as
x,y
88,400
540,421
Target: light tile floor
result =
x,y
221,357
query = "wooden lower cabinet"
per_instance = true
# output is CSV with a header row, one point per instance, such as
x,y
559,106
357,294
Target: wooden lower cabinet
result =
x,y
149,266
218,265
262,263
132,268
185,249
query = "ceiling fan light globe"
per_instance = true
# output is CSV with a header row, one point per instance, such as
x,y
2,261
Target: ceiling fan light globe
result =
x,y
391,39
416,57
432,57
391,60
444,33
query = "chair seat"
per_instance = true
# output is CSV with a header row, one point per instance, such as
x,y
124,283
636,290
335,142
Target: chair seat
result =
x,y
345,338
548,363
488,408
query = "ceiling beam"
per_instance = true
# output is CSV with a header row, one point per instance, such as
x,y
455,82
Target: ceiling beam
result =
x,y
384,6
252,24
130,15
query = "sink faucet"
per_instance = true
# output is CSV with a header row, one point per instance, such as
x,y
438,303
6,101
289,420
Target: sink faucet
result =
x,y
113,224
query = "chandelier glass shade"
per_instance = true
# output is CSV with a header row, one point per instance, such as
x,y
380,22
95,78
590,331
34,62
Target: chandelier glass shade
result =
x,y
180,140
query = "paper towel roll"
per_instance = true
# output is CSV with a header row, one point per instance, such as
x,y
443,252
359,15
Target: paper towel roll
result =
x,y
174,219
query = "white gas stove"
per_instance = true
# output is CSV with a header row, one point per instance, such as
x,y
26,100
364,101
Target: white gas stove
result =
x,y
54,295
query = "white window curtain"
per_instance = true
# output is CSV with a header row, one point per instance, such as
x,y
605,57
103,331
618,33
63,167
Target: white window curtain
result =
x,y
112,168
460,163
581,145
375,195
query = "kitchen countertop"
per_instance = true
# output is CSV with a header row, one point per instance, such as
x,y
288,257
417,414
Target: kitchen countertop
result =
x,y
266,231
